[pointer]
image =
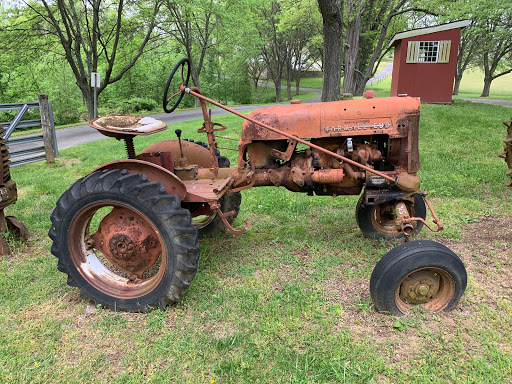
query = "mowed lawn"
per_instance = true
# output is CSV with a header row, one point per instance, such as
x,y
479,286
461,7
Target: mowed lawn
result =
x,y
470,87
287,302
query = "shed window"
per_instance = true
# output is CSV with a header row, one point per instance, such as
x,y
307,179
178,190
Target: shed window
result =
x,y
428,51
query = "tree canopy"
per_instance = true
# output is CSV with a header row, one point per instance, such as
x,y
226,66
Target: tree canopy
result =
x,y
53,46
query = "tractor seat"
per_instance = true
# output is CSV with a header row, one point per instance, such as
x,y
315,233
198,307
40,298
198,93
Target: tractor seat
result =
x,y
124,126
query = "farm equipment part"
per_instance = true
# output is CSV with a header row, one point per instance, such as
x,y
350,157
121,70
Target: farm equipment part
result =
x,y
507,151
8,195
127,233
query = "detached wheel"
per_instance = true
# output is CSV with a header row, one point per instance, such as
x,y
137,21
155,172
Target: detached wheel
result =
x,y
420,272
378,221
124,241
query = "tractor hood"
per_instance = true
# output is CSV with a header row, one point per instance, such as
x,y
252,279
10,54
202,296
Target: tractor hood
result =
x,y
336,118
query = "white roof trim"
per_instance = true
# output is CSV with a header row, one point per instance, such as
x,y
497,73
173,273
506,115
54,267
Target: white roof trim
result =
x,y
427,30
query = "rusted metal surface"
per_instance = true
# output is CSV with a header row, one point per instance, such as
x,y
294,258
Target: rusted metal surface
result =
x,y
403,223
331,119
507,154
432,288
8,193
216,207
284,117
17,228
8,196
194,153
173,185
123,125
391,218
113,256
202,190
128,241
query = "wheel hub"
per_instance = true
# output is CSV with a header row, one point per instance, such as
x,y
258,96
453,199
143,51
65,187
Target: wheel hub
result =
x,y
128,242
420,287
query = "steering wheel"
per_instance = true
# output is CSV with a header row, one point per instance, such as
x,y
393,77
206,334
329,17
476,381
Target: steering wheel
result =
x,y
184,81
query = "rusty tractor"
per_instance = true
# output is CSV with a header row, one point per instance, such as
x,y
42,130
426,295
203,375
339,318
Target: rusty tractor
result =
x,y
127,233
507,150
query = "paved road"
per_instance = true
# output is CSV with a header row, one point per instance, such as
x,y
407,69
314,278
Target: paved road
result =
x,y
73,136
387,71
81,134
70,137
504,103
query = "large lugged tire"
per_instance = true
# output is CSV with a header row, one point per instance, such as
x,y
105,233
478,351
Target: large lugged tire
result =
x,y
378,221
420,272
124,241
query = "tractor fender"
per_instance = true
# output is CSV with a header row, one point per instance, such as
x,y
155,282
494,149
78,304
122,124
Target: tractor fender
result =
x,y
193,152
173,185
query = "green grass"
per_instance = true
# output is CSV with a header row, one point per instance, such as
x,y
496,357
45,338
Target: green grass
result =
x,y
473,82
316,83
288,301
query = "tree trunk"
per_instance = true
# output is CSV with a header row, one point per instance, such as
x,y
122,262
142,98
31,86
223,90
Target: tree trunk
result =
x,y
352,46
487,87
195,80
487,76
278,91
360,85
88,95
456,85
332,15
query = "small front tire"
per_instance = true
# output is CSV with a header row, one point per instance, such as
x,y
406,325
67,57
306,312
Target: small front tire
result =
x,y
378,221
420,272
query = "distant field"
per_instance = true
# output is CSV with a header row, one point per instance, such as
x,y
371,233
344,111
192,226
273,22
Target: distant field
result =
x,y
473,83
471,86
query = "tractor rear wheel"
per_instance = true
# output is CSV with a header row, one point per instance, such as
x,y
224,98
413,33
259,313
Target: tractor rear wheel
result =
x,y
378,221
124,241
417,273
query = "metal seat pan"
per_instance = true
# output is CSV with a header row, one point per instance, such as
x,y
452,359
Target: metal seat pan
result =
x,y
124,125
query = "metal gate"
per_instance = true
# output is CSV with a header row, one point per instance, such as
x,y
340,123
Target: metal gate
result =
x,y
34,147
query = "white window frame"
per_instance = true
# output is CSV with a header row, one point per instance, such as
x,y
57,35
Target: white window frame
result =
x,y
426,52
442,52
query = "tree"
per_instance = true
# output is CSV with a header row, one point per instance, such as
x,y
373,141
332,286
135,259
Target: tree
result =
x,y
274,46
332,17
495,43
192,24
90,34
465,55
300,23
369,25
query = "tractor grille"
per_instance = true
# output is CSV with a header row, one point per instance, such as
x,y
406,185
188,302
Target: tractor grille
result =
x,y
4,166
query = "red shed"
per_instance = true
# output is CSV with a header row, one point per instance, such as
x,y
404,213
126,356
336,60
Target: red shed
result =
x,y
425,60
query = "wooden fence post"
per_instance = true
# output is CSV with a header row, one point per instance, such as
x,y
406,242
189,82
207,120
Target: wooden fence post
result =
x,y
47,129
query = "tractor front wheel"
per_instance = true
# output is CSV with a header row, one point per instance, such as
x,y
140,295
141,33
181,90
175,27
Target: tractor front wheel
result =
x,y
124,241
378,221
417,273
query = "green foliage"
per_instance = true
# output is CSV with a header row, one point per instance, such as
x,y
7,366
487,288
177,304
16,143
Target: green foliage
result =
x,y
134,105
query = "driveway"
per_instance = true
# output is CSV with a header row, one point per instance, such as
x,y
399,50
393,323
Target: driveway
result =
x,y
81,134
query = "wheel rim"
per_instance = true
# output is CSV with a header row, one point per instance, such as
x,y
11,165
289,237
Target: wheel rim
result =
x,y
432,288
383,218
202,221
125,267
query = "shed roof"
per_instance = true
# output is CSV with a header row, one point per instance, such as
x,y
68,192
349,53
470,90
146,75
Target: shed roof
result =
x,y
427,30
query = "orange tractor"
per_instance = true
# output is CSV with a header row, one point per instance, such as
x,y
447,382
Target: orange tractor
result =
x,y
127,233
